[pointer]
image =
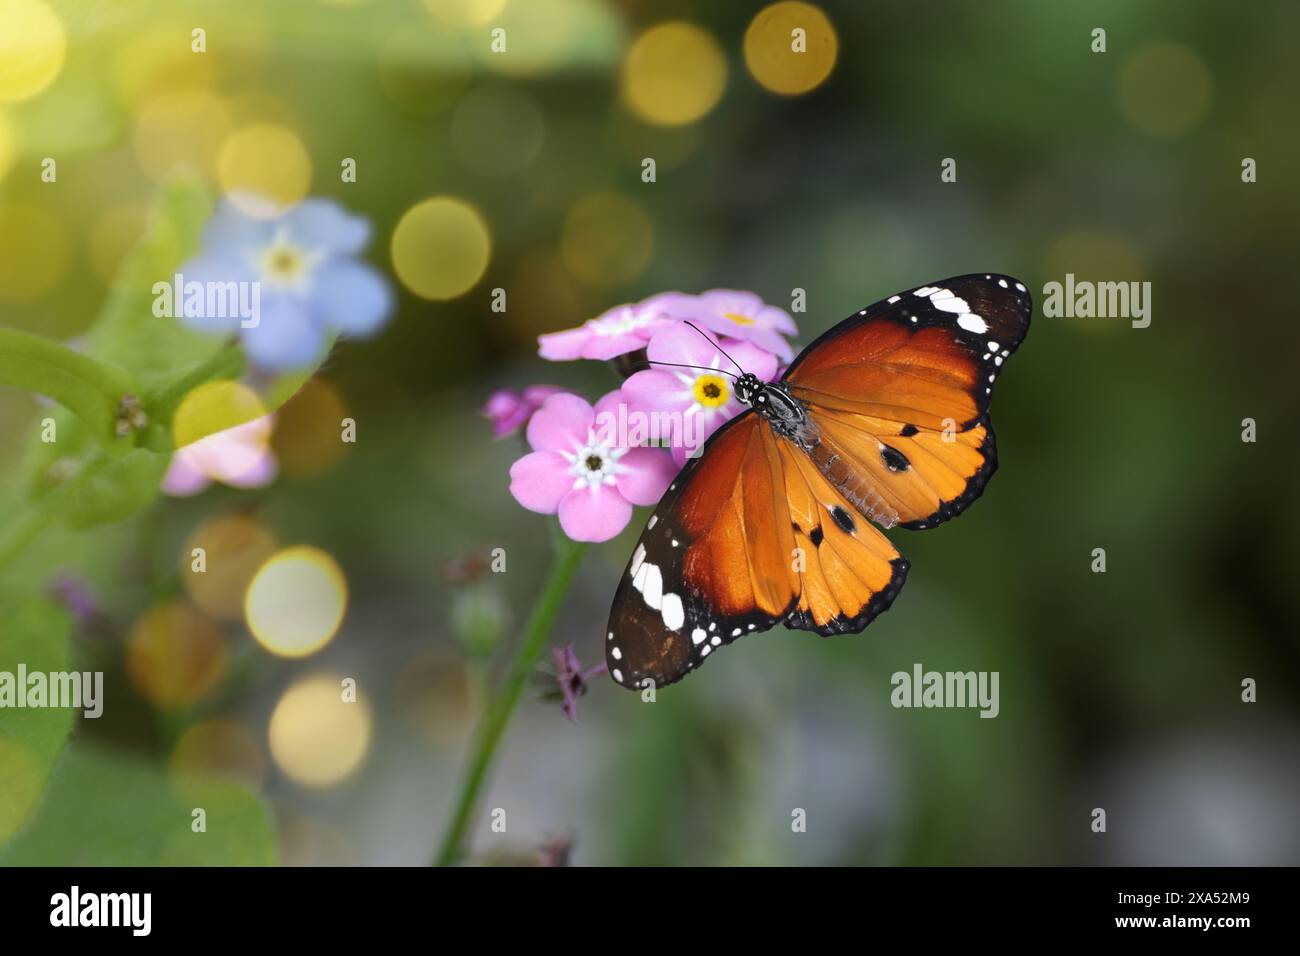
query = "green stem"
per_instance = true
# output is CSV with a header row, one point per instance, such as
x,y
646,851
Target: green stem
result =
x,y
225,364
567,557
91,390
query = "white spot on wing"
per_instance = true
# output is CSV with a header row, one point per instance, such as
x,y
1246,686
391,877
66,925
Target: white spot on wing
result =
x,y
652,589
637,557
674,614
944,299
972,323
698,635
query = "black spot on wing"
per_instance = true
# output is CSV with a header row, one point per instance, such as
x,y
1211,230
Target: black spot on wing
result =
x,y
843,518
894,459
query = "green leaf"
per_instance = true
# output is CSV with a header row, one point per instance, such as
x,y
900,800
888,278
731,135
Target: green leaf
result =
x,y
126,333
34,635
107,808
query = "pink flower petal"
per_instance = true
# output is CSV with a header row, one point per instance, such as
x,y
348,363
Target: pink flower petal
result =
x,y
563,346
183,478
594,514
646,475
561,424
539,480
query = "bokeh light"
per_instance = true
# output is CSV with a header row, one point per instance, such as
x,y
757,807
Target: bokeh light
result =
x,y
783,61
497,129
296,601
180,129
464,12
234,547
607,239
308,431
32,48
264,167
1164,89
316,737
214,407
34,251
441,248
674,74
218,748
150,59
174,655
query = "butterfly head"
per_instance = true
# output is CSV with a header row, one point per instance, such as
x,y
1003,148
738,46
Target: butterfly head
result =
x,y
748,388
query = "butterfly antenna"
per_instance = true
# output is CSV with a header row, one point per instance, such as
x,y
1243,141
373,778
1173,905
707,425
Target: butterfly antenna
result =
x,y
717,346
702,368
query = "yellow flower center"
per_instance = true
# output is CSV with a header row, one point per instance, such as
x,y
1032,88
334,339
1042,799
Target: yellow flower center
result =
x,y
738,319
283,264
711,391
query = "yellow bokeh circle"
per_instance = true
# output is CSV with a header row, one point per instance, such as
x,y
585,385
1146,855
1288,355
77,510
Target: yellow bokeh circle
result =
x,y
441,248
32,48
179,130
233,548
607,239
308,429
674,74
317,737
174,655
790,47
264,168
213,407
1164,89
296,601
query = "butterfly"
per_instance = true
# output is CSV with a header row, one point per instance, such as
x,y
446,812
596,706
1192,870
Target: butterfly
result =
x,y
884,419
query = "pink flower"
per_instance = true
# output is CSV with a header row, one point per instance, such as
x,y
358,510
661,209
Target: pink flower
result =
x,y
509,410
623,329
239,456
691,403
583,472
739,315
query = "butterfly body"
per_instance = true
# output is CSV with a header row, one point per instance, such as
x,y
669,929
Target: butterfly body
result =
x,y
882,421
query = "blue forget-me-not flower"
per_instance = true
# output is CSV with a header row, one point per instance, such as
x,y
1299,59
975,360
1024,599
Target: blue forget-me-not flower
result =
x,y
308,281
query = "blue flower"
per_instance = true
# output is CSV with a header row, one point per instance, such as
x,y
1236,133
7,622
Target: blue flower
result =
x,y
298,279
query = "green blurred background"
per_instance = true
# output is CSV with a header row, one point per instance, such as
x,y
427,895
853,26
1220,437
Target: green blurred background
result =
x,y
1119,690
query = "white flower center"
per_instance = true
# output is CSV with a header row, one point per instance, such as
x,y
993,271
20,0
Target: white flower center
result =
x,y
286,264
594,463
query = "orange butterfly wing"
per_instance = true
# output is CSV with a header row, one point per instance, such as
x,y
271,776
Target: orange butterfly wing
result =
x,y
749,535
758,530
900,396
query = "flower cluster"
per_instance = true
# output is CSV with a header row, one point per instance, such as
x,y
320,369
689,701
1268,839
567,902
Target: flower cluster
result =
x,y
591,464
